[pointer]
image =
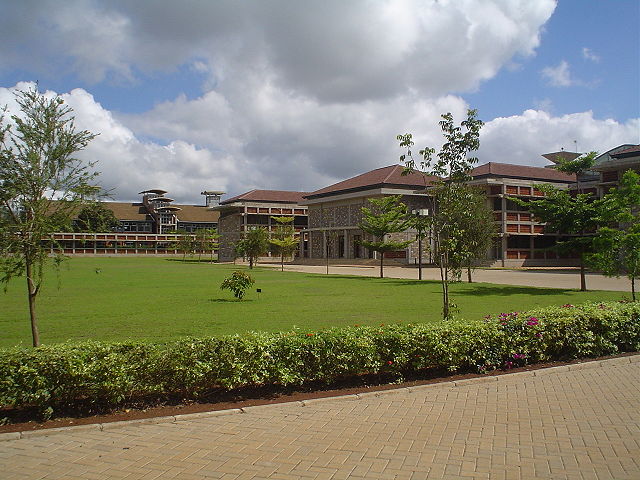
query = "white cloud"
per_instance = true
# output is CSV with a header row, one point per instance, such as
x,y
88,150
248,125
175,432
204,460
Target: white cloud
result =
x,y
558,76
522,139
589,54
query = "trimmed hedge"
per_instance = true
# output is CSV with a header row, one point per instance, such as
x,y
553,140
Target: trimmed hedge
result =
x,y
111,374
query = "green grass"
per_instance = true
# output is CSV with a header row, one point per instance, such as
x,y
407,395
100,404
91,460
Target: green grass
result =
x,y
162,299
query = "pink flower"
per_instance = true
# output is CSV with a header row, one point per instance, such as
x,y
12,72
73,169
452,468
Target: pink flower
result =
x,y
389,362
532,321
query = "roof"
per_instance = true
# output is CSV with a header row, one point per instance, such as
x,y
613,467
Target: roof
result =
x,y
628,152
197,213
390,176
494,169
128,211
557,157
267,196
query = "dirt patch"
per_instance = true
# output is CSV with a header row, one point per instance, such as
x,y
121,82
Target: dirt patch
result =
x,y
23,419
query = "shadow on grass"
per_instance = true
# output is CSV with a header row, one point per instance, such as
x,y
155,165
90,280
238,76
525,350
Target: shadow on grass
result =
x,y
497,290
191,260
230,300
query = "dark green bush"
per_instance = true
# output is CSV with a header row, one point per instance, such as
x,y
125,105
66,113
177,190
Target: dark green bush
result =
x,y
111,374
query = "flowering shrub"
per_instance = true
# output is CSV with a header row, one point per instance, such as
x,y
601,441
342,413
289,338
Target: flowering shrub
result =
x,y
110,374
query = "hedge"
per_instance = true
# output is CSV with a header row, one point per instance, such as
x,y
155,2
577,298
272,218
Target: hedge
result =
x,y
112,374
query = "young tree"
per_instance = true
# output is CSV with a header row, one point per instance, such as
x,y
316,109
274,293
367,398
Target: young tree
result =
x,y
386,215
185,244
95,218
206,241
41,186
284,241
477,225
571,216
254,244
617,248
453,163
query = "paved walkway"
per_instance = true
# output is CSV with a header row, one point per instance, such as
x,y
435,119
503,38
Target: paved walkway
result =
x,y
574,422
552,278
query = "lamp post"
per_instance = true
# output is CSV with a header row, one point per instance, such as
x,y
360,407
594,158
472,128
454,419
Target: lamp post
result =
x,y
420,225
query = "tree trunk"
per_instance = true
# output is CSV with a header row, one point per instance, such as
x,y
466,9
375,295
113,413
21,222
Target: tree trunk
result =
x,y
469,274
583,278
250,262
633,289
32,292
282,262
381,265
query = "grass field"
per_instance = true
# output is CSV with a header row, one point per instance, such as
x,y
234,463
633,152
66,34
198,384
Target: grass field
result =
x,y
161,299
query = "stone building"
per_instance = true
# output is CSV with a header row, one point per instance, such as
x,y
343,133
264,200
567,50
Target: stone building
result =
x,y
256,209
335,212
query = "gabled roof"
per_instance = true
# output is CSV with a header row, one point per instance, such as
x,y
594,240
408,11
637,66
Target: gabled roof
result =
x,y
267,196
196,213
128,211
390,176
137,212
494,169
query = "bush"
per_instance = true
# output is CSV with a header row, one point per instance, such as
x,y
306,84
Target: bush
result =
x,y
59,376
238,282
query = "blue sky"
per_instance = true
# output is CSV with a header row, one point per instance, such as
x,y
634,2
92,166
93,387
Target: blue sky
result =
x,y
193,95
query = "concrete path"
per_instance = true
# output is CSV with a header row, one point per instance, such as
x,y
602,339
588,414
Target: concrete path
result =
x,y
574,422
552,278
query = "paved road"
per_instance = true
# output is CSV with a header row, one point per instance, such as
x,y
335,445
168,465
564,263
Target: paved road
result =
x,y
578,422
552,278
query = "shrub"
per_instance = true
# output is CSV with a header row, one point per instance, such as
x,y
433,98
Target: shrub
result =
x,y
238,282
59,376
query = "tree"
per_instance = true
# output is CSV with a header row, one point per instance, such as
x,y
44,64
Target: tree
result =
x,y
477,225
185,244
571,216
284,241
577,166
386,215
41,186
454,163
617,248
254,244
95,218
238,282
206,241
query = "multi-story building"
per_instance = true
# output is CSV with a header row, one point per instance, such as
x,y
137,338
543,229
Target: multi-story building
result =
x,y
612,164
335,212
256,209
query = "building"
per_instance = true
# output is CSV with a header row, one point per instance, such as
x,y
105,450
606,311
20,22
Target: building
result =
x,y
335,212
522,239
612,164
256,209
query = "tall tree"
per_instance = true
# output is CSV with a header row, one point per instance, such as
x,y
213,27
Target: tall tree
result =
x,y
254,244
617,247
568,215
41,186
387,215
284,241
454,165
577,166
95,218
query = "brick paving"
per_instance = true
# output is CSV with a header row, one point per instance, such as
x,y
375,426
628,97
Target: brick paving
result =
x,y
573,422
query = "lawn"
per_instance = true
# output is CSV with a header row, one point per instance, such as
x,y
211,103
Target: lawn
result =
x,y
161,299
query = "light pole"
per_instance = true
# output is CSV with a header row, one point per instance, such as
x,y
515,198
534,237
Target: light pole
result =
x,y
420,225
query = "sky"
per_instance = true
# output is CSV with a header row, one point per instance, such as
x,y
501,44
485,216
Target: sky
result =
x,y
236,95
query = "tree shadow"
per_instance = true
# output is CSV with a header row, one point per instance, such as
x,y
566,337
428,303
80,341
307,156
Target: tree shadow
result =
x,y
230,300
191,260
484,290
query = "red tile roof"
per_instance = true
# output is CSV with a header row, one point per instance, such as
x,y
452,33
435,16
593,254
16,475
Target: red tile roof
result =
x,y
390,176
493,169
268,196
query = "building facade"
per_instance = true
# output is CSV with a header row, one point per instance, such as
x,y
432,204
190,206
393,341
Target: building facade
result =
x,y
256,209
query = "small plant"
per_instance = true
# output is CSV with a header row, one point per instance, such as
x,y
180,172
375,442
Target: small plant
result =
x,y
238,283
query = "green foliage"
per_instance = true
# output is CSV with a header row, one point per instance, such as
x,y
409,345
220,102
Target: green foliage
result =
x,y
206,240
186,244
577,166
254,244
95,218
569,215
386,215
59,376
284,241
41,186
454,201
238,283
617,250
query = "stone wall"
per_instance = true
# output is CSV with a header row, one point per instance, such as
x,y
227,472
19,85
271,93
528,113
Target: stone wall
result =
x,y
230,228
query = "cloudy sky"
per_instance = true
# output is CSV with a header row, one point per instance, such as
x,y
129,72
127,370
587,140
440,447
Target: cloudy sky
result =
x,y
296,95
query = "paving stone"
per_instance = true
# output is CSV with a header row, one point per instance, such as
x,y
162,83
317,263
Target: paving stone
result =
x,y
573,422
